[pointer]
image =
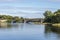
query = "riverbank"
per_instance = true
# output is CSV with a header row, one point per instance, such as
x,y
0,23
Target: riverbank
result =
x,y
56,24
53,24
41,23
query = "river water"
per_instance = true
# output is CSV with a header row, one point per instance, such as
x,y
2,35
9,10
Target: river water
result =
x,y
21,31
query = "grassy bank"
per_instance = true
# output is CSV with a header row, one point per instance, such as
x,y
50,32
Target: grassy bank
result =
x,y
56,24
40,23
53,24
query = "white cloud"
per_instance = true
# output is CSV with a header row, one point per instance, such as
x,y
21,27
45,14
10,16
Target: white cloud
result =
x,y
23,11
20,9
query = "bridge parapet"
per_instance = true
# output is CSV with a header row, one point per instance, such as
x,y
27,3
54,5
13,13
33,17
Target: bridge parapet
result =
x,y
33,20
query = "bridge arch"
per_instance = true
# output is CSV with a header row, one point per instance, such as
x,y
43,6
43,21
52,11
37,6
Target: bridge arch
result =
x,y
33,20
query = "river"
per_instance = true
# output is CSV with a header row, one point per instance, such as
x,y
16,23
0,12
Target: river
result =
x,y
21,31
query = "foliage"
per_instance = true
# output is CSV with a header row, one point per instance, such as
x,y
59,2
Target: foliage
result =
x,y
52,17
11,18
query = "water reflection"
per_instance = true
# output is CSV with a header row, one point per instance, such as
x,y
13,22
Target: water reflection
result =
x,y
50,28
8,25
26,31
3,25
52,32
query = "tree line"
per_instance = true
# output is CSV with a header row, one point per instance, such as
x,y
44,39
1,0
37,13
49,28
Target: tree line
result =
x,y
11,18
52,17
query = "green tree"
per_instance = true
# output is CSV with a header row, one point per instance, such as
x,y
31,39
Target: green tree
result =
x,y
52,17
48,16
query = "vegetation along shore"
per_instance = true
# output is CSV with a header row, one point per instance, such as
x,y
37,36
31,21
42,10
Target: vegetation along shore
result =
x,y
52,17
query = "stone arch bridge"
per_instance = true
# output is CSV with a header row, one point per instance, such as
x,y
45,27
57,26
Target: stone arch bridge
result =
x,y
34,20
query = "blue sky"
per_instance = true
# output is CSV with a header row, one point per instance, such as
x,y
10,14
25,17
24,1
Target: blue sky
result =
x,y
28,8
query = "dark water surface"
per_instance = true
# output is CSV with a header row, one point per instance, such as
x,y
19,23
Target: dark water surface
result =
x,y
21,31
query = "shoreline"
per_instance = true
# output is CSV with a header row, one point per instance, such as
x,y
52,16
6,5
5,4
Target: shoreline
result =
x,y
53,24
56,24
